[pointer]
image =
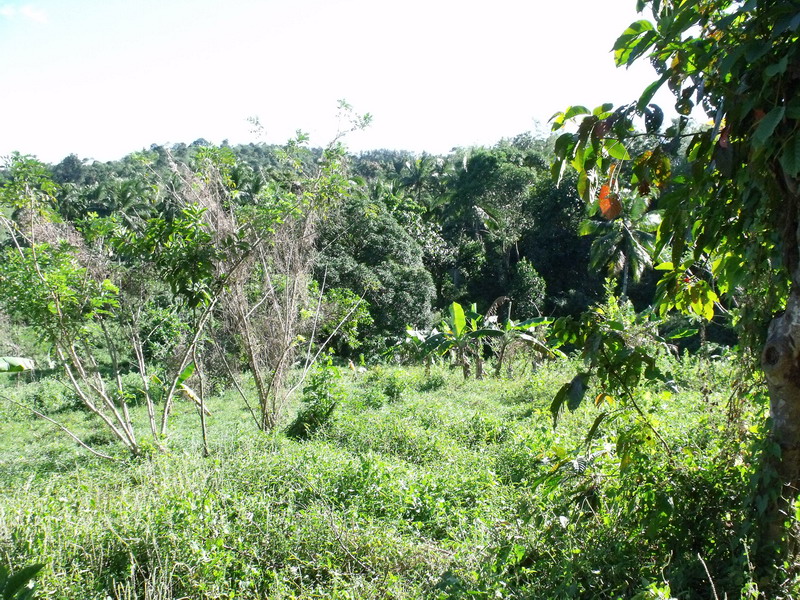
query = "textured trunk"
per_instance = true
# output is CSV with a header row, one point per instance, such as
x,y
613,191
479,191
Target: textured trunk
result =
x,y
624,291
781,363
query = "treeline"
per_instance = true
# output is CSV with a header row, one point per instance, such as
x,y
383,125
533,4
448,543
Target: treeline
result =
x,y
197,267
413,233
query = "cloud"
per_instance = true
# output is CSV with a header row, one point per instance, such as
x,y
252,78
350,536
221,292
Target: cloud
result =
x,y
26,11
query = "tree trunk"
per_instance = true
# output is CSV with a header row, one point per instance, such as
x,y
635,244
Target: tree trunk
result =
x,y
623,295
781,363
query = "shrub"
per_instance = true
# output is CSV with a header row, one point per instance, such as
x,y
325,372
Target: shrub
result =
x,y
48,396
320,396
528,291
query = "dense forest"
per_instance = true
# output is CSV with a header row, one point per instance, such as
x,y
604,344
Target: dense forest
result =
x,y
549,368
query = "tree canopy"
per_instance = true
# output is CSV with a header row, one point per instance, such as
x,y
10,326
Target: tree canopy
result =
x,y
730,218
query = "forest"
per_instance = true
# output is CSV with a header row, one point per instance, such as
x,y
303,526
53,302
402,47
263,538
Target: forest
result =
x,y
555,367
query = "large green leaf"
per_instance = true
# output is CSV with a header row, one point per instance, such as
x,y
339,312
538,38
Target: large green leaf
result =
x,y
534,322
589,227
633,42
616,150
767,125
16,586
577,390
185,374
557,406
479,333
458,320
15,364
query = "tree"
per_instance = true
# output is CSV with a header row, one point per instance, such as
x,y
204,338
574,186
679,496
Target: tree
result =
x,y
736,207
625,240
87,288
528,290
364,249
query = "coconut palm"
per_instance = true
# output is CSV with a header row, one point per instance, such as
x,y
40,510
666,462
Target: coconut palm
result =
x,y
625,243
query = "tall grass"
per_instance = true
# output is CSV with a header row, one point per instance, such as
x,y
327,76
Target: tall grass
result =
x,y
415,487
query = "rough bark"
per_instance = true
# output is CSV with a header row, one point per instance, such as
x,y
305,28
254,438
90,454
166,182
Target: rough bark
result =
x,y
780,360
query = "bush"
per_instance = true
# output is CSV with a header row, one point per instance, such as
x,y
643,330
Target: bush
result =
x,y
48,396
435,381
528,291
320,396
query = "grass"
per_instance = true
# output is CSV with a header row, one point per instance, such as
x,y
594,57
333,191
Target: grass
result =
x,y
417,487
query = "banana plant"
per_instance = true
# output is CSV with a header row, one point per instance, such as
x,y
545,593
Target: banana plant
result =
x,y
515,333
15,364
463,333
417,346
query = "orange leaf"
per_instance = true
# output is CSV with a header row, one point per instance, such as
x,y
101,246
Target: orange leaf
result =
x,y
610,207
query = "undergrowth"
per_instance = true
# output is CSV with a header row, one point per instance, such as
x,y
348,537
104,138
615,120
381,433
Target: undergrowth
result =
x,y
399,485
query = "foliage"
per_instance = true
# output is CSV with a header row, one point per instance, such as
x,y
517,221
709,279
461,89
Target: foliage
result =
x,y
734,205
439,494
734,65
343,314
528,291
47,288
462,333
367,251
320,396
17,585
619,349
515,335
624,242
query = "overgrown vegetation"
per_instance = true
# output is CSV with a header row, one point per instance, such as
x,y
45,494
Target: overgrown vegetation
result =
x,y
462,490
399,376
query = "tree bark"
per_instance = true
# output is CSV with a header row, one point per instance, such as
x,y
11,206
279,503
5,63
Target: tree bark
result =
x,y
780,360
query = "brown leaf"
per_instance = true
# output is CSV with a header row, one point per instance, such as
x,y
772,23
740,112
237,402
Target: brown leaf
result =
x,y
610,207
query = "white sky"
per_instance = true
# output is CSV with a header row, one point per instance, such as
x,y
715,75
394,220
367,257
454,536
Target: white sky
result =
x,y
102,78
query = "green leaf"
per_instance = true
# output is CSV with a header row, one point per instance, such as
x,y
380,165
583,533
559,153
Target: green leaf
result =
x,y
595,426
790,158
767,125
588,227
653,118
535,321
583,185
577,390
574,111
756,49
603,110
633,42
683,332
16,585
564,144
15,364
777,68
480,333
557,406
458,319
616,150
186,374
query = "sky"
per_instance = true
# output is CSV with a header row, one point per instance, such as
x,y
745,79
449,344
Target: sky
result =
x,y
103,78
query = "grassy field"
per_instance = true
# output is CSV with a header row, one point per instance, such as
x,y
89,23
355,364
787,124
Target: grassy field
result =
x,y
418,487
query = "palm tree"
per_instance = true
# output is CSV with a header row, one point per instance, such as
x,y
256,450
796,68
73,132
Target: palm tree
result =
x,y
624,243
